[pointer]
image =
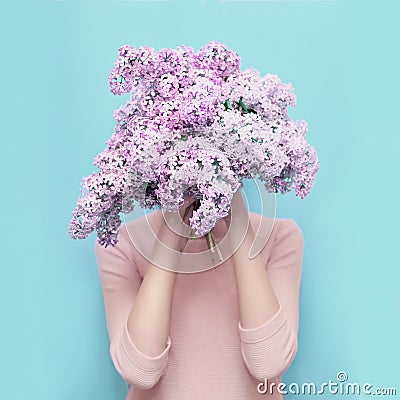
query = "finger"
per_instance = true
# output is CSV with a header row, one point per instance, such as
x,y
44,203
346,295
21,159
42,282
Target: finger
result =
x,y
187,210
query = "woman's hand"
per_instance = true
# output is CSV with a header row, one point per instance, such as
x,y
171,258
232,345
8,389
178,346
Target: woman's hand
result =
x,y
237,221
175,229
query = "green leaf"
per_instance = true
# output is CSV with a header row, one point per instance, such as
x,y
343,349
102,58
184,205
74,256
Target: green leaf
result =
x,y
227,105
241,104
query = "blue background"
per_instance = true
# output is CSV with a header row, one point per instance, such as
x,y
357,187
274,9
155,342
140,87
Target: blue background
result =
x,y
58,112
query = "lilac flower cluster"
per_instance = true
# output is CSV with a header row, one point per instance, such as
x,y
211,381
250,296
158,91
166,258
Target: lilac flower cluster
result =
x,y
195,124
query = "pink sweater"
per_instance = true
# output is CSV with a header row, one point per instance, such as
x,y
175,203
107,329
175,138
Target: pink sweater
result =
x,y
208,355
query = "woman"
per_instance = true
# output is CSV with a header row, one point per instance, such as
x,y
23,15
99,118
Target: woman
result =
x,y
224,333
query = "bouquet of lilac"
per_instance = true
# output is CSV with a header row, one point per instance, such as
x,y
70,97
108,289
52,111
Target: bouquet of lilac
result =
x,y
195,125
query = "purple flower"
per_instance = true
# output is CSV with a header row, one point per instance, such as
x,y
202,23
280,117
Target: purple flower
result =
x,y
195,124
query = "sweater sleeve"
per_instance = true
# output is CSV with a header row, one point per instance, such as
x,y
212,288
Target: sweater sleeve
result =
x,y
120,280
269,349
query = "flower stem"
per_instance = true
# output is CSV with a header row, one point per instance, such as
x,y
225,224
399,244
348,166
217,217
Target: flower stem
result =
x,y
216,246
